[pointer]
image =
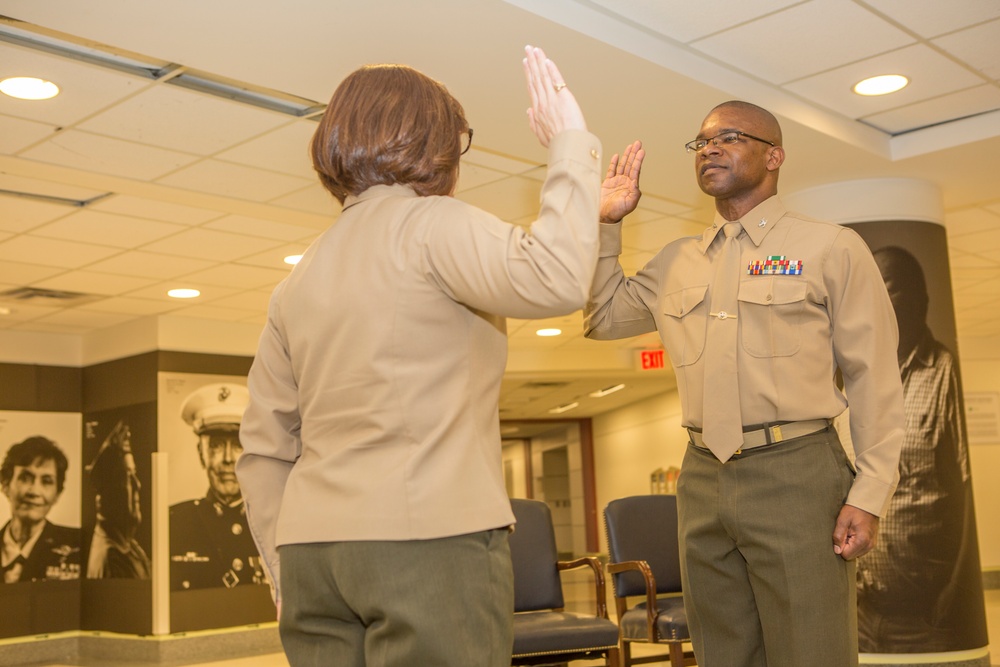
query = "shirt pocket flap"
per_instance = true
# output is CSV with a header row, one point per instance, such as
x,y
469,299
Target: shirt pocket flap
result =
x,y
683,301
772,292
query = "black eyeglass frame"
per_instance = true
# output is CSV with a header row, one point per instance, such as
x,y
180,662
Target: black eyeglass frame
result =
x,y
693,147
469,145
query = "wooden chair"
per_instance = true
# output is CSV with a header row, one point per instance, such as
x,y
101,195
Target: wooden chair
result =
x,y
544,633
644,561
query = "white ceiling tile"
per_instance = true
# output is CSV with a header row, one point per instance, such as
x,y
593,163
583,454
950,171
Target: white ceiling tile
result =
x,y
257,318
112,229
48,188
253,300
275,257
930,75
233,180
312,199
21,213
19,133
53,252
212,312
152,209
89,319
25,312
21,274
472,176
803,40
210,244
660,206
970,220
933,18
685,21
238,276
150,265
161,116
503,163
285,149
130,306
651,236
979,46
158,292
930,112
82,150
90,282
240,224
978,243
966,260
84,89
509,199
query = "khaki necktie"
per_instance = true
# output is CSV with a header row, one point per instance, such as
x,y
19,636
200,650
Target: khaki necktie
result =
x,y
723,426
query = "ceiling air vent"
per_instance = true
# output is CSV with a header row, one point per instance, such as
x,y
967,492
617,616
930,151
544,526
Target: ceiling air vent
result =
x,y
46,297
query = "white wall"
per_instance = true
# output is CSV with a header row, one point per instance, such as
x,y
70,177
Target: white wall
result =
x,y
980,363
630,443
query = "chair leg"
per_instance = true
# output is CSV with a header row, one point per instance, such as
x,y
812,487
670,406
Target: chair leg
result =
x,y
614,660
676,654
626,654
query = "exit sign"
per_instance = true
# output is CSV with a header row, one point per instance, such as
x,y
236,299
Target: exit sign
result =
x,y
651,360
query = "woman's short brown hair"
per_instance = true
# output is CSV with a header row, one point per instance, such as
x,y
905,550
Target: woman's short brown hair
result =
x,y
389,124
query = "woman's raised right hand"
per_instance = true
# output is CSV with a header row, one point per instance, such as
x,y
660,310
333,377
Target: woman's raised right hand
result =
x,y
553,107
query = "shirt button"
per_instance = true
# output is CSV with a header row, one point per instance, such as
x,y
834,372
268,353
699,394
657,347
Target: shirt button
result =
x,y
767,298
594,154
237,529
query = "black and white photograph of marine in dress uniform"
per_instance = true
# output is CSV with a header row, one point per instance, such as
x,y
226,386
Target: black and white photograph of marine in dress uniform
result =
x,y
210,542
40,479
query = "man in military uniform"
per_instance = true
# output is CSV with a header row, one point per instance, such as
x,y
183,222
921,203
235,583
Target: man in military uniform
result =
x,y
210,543
32,548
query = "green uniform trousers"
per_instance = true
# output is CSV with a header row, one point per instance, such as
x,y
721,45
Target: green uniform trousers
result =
x,y
762,585
445,602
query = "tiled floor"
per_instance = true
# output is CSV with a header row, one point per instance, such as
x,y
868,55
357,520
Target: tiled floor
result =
x,y
579,599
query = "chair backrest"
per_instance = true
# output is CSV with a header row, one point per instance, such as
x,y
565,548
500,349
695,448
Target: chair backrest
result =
x,y
533,552
644,528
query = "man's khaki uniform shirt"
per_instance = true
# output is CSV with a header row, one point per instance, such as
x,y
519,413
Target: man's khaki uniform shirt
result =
x,y
794,330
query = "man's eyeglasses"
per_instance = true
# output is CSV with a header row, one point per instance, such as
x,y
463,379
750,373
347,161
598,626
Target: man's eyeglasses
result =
x,y
724,139
468,145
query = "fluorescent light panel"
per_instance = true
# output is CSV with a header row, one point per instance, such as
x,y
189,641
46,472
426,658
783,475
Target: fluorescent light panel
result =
x,y
74,48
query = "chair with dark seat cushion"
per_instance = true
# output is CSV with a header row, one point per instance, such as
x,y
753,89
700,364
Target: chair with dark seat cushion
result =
x,y
544,633
644,561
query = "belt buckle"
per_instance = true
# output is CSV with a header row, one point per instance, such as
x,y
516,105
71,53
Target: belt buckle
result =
x,y
774,432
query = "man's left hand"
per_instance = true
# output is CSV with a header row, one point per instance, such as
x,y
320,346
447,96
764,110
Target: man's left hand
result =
x,y
855,533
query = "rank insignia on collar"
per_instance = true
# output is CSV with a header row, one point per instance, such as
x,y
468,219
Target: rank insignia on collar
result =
x,y
775,265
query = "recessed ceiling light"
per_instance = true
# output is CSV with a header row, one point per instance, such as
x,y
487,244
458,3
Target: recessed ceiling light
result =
x,y
28,88
881,85
548,332
184,293
293,259
565,408
601,393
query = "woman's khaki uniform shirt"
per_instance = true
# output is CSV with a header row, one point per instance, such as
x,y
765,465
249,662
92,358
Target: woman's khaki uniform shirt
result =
x,y
374,391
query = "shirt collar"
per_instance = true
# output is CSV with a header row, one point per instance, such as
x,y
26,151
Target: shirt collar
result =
x,y
922,353
12,549
379,191
756,223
